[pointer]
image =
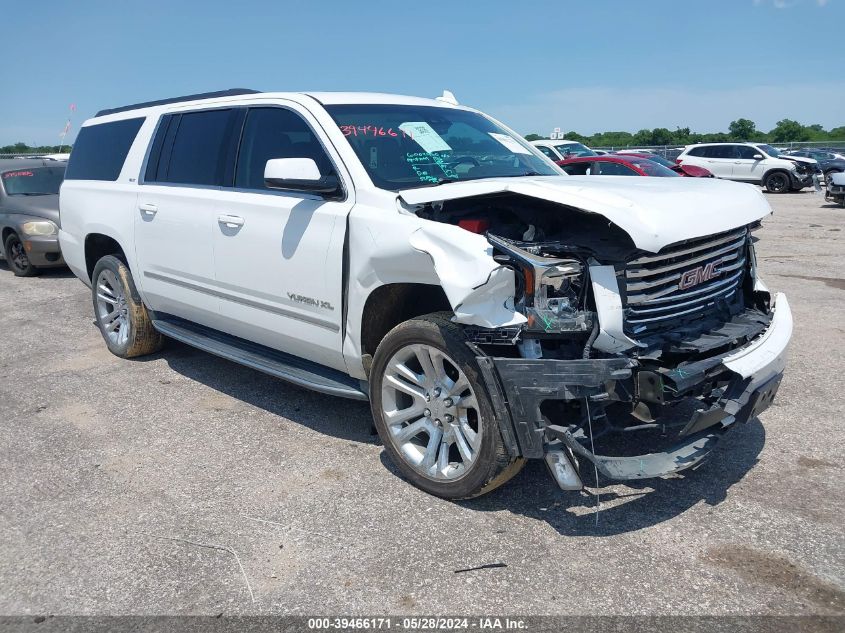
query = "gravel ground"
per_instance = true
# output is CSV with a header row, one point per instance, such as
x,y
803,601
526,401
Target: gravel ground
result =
x,y
160,485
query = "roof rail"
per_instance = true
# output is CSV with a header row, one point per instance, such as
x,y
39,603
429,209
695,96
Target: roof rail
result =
x,y
232,92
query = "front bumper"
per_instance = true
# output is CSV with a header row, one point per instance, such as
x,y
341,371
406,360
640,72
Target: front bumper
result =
x,y
518,388
43,251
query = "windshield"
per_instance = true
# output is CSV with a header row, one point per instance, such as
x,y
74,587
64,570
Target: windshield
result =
x,y
568,150
652,168
35,181
404,147
771,151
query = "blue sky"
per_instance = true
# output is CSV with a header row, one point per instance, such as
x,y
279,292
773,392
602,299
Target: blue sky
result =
x,y
588,66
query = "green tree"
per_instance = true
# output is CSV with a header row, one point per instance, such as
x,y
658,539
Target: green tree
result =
x,y
534,137
788,130
642,137
661,136
742,130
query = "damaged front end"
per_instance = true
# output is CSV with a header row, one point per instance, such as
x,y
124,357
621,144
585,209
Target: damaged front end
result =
x,y
636,361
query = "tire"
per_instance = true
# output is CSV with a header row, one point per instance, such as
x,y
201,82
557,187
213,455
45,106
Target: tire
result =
x,y
16,257
777,182
120,314
474,460
828,174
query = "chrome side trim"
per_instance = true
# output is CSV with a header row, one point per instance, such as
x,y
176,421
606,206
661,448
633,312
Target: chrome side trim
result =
x,y
243,301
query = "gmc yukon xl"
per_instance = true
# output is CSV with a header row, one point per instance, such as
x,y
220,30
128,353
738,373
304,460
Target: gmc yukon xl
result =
x,y
422,256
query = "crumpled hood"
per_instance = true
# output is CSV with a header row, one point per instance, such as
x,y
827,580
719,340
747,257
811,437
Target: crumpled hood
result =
x,y
46,206
799,159
655,212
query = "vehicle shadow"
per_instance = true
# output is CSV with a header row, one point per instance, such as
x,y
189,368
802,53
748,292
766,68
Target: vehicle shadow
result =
x,y
533,493
61,272
338,417
635,504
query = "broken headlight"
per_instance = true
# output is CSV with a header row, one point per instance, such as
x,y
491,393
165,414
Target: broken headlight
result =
x,y
553,288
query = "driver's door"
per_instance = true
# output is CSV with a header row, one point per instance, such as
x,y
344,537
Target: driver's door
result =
x,y
279,255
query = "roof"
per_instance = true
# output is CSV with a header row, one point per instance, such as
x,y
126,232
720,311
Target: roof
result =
x,y
325,98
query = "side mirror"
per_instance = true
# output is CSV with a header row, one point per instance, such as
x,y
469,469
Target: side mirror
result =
x,y
757,157
299,174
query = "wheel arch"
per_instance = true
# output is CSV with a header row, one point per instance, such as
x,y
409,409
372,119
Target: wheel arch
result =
x,y
390,304
97,246
773,170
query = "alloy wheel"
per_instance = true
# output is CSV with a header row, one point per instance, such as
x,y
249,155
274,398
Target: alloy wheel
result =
x,y
112,310
431,412
17,256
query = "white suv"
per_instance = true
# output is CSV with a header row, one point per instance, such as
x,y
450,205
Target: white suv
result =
x,y
560,149
423,257
754,163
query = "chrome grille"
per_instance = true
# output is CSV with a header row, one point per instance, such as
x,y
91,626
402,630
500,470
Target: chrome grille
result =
x,y
653,284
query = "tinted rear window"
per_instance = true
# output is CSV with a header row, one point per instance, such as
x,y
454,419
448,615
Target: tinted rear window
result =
x,y
199,151
100,150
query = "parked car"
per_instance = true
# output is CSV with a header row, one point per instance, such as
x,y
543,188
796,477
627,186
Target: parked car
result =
x,y
753,162
693,171
836,188
614,165
819,154
558,149
424,257
29,214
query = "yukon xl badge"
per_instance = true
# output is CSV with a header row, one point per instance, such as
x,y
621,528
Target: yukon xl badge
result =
x,y
311,301
699,275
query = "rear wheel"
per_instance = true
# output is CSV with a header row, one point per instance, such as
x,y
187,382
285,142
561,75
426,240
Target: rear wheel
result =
x,y
777,182
433,413
17,258
121,315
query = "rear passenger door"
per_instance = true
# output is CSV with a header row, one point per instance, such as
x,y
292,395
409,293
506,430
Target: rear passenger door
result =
x,y
176,211
719,159
279,254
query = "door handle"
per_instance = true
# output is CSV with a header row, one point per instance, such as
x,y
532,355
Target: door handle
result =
x,y
148,209
231,221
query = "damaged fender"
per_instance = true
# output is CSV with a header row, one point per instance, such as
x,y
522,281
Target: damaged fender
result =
x,y
480,291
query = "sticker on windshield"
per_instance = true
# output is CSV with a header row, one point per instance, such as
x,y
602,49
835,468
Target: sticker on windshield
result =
x,y
425,136
511,143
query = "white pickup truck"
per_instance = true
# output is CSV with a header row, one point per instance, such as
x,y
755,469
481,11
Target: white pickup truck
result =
x,y
424,257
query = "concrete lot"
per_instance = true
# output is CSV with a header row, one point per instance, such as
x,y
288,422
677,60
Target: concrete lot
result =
x,y
104,460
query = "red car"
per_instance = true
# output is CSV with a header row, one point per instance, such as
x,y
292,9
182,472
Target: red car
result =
x,y
682,170
626,165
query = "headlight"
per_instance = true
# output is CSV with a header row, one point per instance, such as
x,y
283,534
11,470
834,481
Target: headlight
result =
x,y
552,291
39,227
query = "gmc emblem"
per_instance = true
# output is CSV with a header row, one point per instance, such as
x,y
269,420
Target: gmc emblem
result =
x,y
699,275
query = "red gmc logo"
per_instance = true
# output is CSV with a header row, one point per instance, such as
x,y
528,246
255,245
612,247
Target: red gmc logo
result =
x,y
699,275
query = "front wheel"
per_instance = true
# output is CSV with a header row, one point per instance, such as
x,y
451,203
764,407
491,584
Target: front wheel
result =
x,y
433,413
777,182
17,258
121,315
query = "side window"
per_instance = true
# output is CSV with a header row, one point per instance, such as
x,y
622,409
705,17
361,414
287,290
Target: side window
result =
x,y
747,152
193,148
577,169
613,169
721,151
100,150
548,152
698,151
275,133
